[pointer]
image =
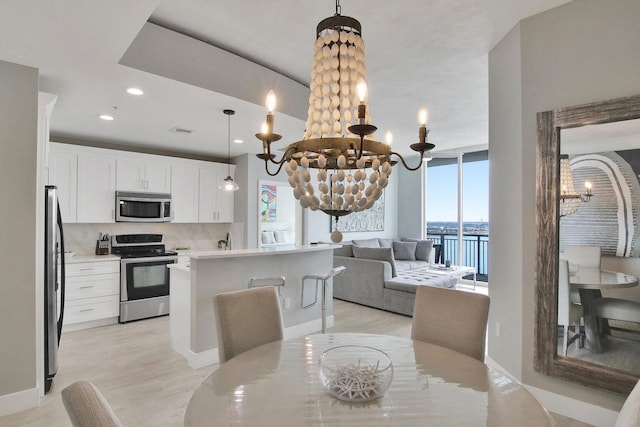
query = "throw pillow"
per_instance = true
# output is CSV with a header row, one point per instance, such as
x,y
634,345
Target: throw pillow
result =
x,y
281,236
385,243
345,250
405,250
367,243
380,254
423,248
268,237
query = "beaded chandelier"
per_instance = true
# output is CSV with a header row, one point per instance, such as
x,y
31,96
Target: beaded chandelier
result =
x,y
569,199
350,168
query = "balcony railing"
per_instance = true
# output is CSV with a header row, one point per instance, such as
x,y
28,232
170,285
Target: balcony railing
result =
x,y
474,251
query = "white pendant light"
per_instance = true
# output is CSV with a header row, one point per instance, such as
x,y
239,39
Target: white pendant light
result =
x,y
228,184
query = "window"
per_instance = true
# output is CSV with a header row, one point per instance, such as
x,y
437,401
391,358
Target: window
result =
x,y
457,209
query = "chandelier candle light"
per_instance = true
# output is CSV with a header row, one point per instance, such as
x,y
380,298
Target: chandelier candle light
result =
x,y
352,167
569,199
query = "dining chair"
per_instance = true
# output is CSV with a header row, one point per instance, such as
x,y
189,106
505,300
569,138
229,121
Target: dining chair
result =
x,y
246,319
87,407
629,415
584,257
451,318
569,313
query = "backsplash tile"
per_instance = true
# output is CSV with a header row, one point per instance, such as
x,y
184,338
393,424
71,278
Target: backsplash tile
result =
x,y
81,238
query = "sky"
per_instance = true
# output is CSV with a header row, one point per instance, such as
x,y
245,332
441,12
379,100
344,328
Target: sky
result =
x,y
442,192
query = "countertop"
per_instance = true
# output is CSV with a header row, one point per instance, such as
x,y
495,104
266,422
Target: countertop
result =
x,y
258,251
91,258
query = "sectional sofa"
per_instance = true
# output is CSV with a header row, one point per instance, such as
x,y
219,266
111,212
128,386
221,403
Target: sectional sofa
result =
x,y
384,273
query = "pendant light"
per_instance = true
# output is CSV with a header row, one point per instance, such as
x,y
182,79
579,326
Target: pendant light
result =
x,y
229,184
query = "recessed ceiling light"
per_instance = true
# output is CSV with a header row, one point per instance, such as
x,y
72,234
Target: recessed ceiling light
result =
x,y
238,141
135,91
106,117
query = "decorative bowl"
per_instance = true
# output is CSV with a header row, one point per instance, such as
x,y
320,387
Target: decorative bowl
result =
x,y
355,373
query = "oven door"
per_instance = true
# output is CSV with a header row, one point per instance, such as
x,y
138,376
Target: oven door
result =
x,y
144,277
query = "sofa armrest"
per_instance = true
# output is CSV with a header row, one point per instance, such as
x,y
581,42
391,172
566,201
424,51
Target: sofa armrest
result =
x,y
363,280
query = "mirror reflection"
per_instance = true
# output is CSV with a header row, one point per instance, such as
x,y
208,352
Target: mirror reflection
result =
x,y
278,215
599,238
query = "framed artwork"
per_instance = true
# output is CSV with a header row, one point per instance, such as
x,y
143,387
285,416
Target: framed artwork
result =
x,y
367,220
268,199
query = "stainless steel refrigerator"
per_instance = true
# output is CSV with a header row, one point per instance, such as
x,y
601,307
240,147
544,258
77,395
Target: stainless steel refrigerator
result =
x,y
53,283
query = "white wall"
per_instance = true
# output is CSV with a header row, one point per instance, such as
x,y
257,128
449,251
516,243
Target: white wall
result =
x,y
584,51
411,199
18,192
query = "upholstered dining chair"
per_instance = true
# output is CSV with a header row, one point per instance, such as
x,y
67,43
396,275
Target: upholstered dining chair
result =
x,y
629,415
451,318
583,257
569,314
87,407
246,319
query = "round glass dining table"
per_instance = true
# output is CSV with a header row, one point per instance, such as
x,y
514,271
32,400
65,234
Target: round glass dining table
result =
x,y
277,384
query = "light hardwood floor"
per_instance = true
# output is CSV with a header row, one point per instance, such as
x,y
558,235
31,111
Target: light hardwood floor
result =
x,y
148,384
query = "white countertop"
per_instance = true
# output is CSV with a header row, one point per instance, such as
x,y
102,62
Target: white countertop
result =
x,y
91,258
258,251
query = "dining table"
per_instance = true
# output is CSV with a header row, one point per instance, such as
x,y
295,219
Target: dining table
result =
x,y
278,384
590,282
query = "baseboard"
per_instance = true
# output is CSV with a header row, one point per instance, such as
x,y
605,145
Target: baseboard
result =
x,y
566,406
20,401
210,357
203,358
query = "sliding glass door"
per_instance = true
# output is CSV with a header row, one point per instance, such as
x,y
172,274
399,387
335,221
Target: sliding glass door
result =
x,y
457,199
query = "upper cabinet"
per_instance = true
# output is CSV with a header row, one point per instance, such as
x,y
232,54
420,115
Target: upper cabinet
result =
x,y
88,177
96,187
215,205
184,193
141,173
63,173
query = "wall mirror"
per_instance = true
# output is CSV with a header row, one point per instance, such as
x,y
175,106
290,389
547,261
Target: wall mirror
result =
x,y
591,135
279,215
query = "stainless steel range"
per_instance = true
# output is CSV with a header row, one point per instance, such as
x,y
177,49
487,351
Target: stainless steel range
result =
x,y
144,276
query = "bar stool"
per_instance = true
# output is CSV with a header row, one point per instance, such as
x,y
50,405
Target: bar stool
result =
x,y
336,271
277,281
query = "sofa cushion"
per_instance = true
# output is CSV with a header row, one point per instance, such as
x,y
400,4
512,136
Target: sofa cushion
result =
x,y
410,265
423,248
385,243
404,250
408,281
345,250
366,243
380,254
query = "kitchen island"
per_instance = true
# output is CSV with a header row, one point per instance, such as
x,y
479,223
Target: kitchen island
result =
x,y
207,273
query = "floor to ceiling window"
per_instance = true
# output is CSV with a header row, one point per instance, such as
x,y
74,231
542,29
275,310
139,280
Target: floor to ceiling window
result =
x,y
457,200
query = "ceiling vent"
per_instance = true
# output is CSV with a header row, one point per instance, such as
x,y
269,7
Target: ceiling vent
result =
x,y
181,130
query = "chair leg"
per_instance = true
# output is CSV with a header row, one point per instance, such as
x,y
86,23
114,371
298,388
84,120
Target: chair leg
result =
x,y
565,338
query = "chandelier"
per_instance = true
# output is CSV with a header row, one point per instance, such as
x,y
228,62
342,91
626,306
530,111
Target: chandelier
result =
x,y
350,168
569,199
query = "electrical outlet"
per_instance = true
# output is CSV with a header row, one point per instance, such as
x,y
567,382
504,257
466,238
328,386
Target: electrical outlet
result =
x,y
498,329
85,235
287,302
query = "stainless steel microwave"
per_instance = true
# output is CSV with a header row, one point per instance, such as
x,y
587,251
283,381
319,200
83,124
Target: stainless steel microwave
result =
x,y
143,207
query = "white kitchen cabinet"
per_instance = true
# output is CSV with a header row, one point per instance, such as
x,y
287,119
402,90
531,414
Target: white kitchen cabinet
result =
x,y
139,173
92,296
184,193
215,205
63,173
96,187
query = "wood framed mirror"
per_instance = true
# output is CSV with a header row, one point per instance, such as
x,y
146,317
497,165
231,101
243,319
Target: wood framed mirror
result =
x,y
546,357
